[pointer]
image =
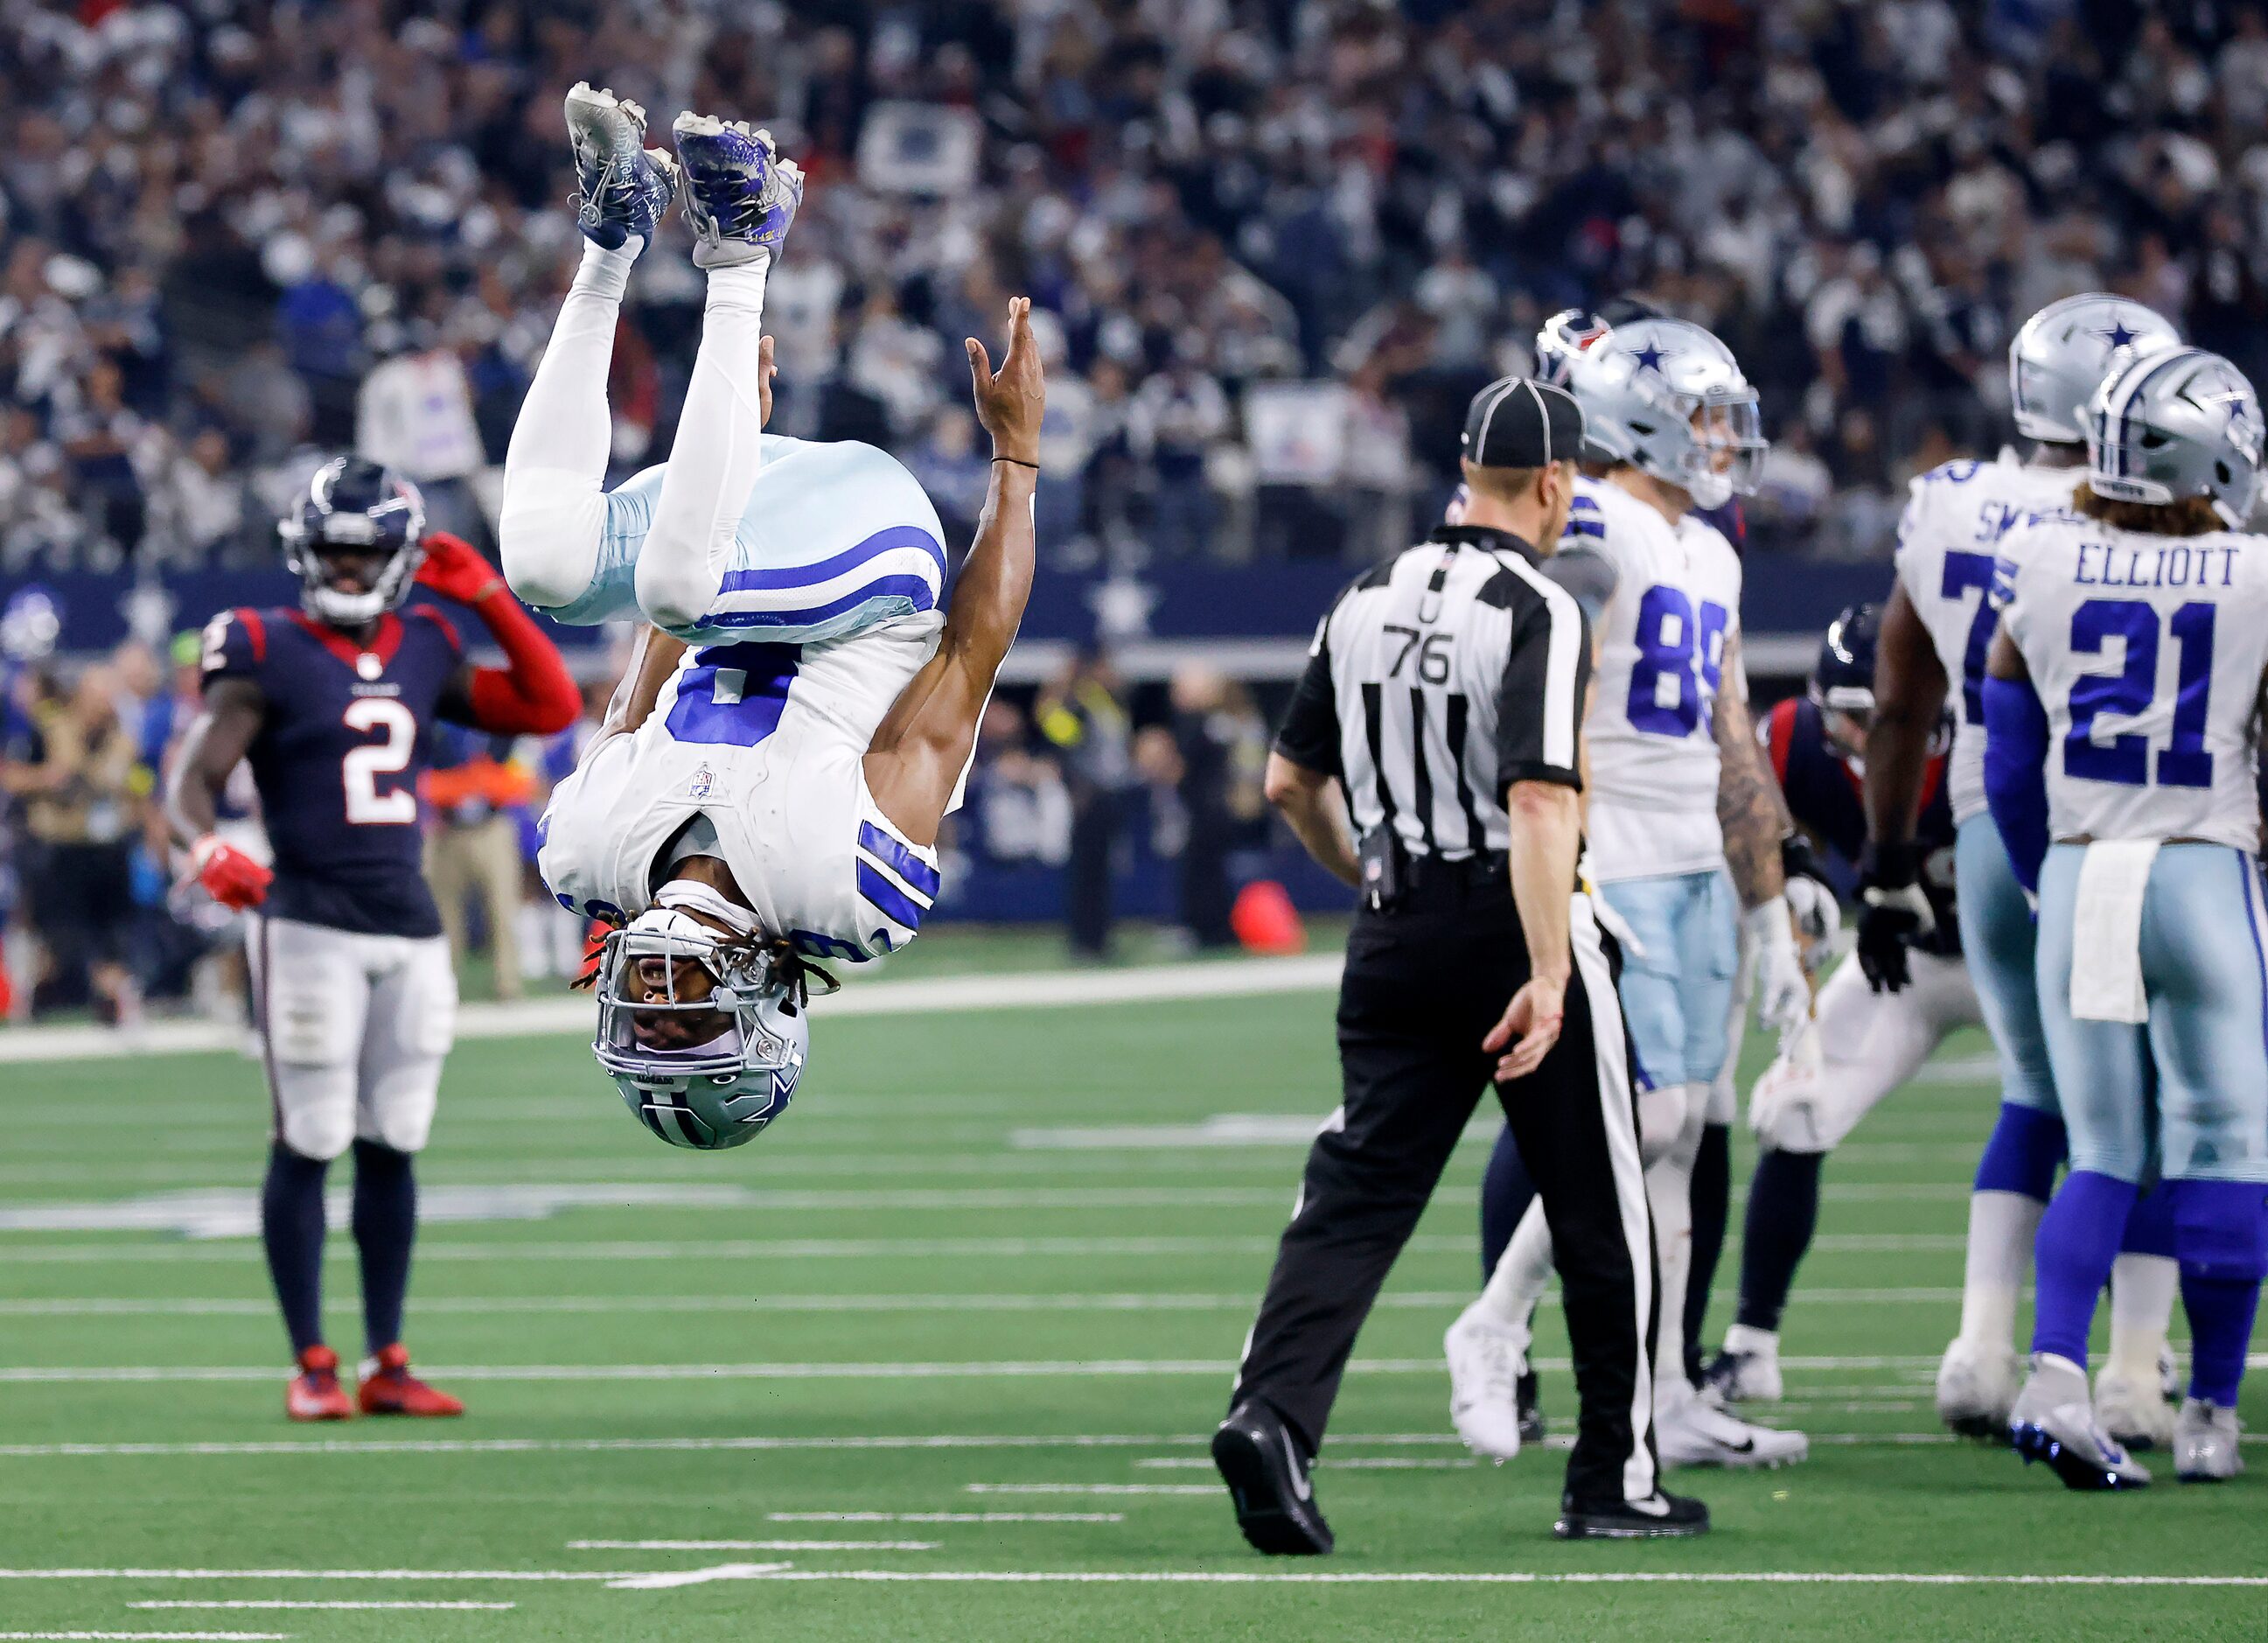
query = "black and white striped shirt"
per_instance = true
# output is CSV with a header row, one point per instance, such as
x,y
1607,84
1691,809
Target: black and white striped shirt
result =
x,y
1436,682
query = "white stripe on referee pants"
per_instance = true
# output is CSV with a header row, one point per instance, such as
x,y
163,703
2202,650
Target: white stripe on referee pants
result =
x,y
1613,1056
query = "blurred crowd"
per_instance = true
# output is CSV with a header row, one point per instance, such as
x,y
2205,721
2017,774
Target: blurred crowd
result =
x,y
1088,801
1275,243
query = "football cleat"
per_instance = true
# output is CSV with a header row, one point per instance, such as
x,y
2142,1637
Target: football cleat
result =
x,y
1267,1476
1658,1516
1690,1431
1487,1364
315,1393
2133,1412
389,1389
622,187
2053,1421
2205,1443
1976,1388
1746,1371
741,196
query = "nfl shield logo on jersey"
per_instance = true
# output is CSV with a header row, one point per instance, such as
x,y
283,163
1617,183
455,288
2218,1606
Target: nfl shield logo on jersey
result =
x,y
703,779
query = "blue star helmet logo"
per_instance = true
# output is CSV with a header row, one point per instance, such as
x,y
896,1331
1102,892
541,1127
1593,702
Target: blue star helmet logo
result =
x,y
2116,334
1649,357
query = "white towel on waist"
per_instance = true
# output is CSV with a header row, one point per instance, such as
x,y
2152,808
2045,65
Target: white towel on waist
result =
x,y
2106,933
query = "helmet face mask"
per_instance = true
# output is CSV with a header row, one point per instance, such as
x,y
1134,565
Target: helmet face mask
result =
x,y
358,518
704,1035
2166,427
1664,397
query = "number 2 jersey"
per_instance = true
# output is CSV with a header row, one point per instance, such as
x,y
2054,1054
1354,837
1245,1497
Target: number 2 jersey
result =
x,y
2147,652
1958,517
1653,758
344,739
755,753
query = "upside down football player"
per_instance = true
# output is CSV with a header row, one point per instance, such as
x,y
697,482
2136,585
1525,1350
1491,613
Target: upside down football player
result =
x,y
770,781
354,995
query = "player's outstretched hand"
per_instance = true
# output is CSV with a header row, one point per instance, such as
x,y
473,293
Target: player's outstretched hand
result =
x,y
230,877
1529,1028
453,569
1010,401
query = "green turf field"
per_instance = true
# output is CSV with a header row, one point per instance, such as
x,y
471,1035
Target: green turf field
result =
x,y
925,1355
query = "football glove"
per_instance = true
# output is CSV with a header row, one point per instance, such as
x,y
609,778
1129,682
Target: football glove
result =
x,y
230,877
1893,915
1783,994
453,569
1811,898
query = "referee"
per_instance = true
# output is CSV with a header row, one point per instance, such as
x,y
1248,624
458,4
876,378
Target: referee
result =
x,y
1444,697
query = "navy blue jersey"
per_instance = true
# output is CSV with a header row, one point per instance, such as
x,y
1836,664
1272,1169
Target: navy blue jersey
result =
x,y
346,734
1826,794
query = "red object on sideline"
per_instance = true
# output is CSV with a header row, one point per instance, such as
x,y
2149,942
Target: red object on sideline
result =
x,y
1265,920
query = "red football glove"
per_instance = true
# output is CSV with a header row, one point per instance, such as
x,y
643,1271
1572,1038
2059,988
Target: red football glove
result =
x,y
230,877
453,569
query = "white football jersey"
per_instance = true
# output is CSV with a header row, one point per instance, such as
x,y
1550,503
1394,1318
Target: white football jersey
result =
x,y
2147,652
768,742
1653,760
1955,522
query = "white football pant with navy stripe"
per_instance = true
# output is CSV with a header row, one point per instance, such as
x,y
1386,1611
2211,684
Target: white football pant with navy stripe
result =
x,y
741,536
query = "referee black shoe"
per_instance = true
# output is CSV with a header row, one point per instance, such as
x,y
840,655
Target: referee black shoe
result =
x,y
1660,1516
1267,1477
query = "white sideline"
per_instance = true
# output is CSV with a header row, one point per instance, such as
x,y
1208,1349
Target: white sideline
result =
x,y
1225,978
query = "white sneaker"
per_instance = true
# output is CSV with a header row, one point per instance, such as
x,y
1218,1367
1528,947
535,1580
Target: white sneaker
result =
x,y
2054,1420
2134,1413
1485,1363
1690,1431
1977,1387
1748,1370
2205,1443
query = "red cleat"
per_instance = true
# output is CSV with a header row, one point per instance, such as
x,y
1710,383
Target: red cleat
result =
x,y
389,1389
315,1393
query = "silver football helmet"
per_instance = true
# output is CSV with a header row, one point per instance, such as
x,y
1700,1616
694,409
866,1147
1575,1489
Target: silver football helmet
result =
x,y
703,1033
2058,359
1663,395
2167,426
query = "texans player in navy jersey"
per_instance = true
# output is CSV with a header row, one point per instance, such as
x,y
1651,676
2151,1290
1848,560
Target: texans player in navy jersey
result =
x,y
1860,1044
355,999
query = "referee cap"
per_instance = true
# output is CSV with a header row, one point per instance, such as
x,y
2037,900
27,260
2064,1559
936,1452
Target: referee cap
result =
x,y
1517,422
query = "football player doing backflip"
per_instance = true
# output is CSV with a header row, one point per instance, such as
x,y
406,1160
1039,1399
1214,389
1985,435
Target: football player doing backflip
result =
x,y
769,782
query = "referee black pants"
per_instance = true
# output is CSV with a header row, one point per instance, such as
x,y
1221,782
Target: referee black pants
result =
x,y
1423,986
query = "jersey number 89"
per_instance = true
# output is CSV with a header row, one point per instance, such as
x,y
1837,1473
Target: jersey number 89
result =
x,y
1679,652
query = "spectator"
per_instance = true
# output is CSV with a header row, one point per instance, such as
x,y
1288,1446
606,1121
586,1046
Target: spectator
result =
x,y
472,792
1083,713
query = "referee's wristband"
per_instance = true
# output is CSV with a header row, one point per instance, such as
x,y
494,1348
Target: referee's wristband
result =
x,y
1018,460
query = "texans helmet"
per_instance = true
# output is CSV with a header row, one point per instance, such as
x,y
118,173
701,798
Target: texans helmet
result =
x,y
1843,680
354,512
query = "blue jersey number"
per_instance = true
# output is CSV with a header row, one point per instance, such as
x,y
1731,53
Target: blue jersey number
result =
x,y
1967,573
2126,759
733,694
1671,643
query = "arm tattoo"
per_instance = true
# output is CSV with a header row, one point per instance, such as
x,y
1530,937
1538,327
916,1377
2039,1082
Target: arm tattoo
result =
x,y
1749,808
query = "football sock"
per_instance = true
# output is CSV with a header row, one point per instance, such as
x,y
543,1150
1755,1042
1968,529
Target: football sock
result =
x,y
1712,1203
2221,1230
2014,1178
2078,1241
292,1226
1506,1191
1509,1297
385,1227
1669,1195
1783,1212
606,273
2143,1282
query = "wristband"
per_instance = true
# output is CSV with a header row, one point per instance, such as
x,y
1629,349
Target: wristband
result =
x,y
1892,864
1018,460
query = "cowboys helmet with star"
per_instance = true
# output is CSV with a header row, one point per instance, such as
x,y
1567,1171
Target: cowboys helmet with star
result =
x,y
1663,395
2168,426
2059,357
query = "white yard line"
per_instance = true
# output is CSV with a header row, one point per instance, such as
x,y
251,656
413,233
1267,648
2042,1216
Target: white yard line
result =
x,y
310,1602
666,1580
752,1546
1092,1488
160,1636
1036,989
946,1517
484,1306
